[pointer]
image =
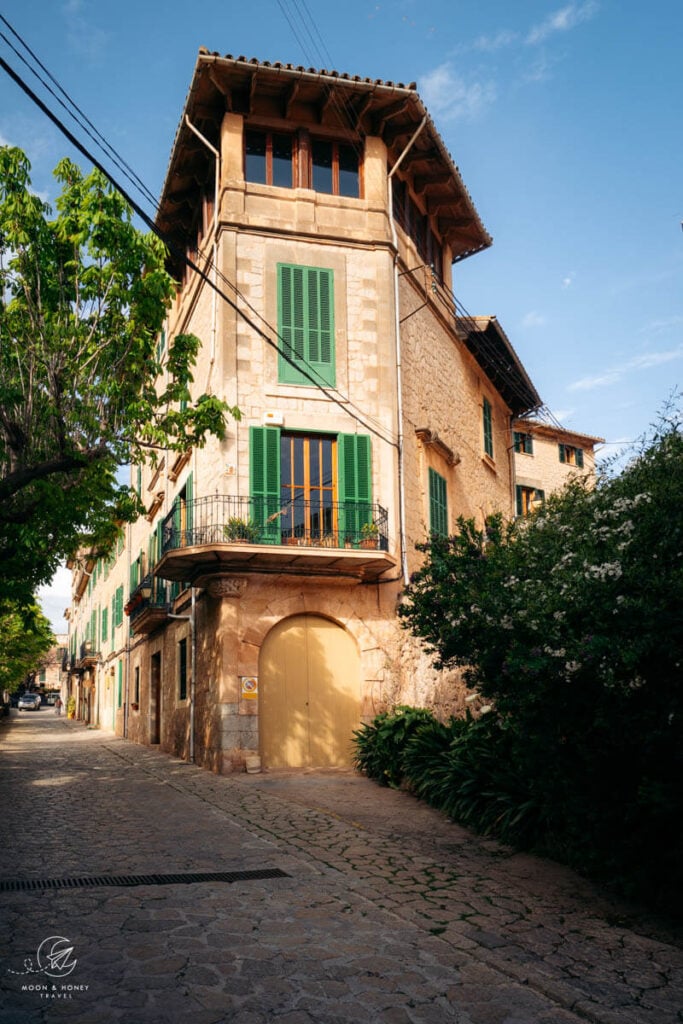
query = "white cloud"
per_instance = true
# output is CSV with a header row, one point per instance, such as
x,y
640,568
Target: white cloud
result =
x,y
562,20
661,326
499,41
642,362
568,281
450,98
84,37
599,381
533,319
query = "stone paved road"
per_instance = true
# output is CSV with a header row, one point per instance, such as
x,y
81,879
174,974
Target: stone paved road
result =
x,y
387,912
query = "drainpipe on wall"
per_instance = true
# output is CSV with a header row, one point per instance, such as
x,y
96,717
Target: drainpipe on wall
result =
x,y
399,375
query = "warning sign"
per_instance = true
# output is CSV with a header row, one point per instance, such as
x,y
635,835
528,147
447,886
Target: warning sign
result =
x,y
249,687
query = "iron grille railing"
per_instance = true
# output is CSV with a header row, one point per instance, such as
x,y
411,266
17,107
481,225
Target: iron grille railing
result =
x,y
151,592
89,650
222,519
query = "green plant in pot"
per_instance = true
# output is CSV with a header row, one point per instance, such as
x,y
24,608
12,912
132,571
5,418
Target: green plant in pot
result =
x,y
369,535
245,530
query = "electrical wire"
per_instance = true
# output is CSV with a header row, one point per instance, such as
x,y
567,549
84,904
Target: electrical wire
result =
x,y
86,124
182,256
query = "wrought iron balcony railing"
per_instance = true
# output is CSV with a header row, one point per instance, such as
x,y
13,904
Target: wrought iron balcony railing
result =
x,y
89,653
150,593
222,519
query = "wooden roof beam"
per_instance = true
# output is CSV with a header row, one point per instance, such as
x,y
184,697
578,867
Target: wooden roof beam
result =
x,y
421,183
290,97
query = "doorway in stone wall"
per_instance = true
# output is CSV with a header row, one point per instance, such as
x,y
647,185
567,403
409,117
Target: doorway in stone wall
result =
x,y
309,694
155,698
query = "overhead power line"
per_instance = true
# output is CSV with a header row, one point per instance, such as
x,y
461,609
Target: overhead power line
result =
x,y
181,254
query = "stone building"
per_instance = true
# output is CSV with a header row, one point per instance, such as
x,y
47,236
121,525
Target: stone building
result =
x,y
547,455
252,611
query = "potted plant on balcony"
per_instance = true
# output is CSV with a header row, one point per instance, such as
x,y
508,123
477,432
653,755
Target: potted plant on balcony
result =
x,y
244,531
369,535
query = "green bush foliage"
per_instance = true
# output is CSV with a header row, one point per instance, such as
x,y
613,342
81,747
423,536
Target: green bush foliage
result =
x,y
379,746
569,624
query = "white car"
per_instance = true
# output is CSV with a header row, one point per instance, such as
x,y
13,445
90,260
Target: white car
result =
x,y
29,702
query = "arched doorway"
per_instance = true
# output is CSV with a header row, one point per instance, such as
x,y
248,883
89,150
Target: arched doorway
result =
x,y
309,694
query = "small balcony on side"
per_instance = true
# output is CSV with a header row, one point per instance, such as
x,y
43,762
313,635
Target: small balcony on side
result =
x,y
218,534
148,605
89,655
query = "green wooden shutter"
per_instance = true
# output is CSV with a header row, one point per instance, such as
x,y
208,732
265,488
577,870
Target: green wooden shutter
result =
x,y
488,428
579,457
563,454
306,324
105,625
355,485
189,510
264,476
438,503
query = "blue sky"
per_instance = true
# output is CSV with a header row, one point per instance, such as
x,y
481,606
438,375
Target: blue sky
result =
x,y
564,119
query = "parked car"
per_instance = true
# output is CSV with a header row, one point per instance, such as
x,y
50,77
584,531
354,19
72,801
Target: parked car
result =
x,y
29,702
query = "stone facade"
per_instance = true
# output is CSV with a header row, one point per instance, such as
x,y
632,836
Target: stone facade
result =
x,y
412,414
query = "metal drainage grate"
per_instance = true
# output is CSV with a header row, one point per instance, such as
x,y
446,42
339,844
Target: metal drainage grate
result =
x,y
90,881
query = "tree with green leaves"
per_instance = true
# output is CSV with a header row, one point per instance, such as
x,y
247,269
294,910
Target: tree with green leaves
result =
x,y
569,625
84,386
25,638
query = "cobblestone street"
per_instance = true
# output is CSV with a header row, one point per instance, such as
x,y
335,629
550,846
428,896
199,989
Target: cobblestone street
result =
x,y
348,903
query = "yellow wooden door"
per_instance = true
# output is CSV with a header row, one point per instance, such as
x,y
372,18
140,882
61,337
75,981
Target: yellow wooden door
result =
x,y
309,694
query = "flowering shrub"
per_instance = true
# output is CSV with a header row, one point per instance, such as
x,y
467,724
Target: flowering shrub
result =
x,y
569,624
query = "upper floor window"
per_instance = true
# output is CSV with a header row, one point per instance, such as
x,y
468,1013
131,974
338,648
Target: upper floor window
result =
x,y
272,158
269,158
528,498
571,456
334,168
306,325
309,488
487,418
438,504
523,443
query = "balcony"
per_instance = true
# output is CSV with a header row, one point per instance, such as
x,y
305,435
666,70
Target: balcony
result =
x,y
220,534
148,605
88,655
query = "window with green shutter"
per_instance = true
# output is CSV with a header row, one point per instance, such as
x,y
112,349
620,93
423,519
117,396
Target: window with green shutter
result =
x,y
571,456
104,627
526,498
523,443
264,474
117,607
355,484
306,325
305,487
438,504
488,427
